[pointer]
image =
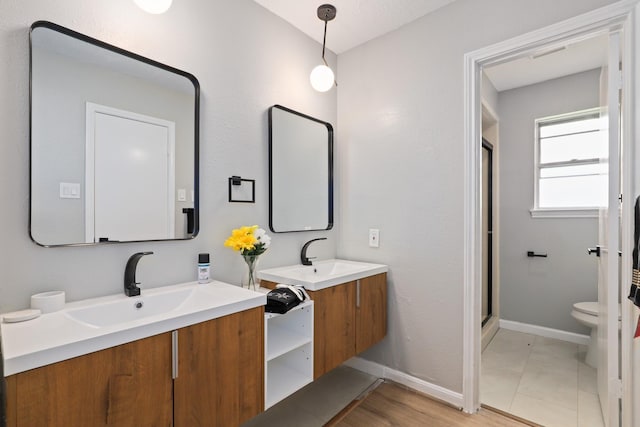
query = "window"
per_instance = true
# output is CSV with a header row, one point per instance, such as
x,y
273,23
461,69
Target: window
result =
x,y
571,167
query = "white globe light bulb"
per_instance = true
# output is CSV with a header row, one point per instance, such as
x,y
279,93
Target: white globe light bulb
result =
x,y
154,6
322,78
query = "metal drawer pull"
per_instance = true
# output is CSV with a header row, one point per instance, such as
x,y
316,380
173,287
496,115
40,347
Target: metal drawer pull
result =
x,y
174,355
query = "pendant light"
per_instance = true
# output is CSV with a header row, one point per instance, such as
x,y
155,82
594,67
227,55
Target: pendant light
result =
x,y
154,6
322,77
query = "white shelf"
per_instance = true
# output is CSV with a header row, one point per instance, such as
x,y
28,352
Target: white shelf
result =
x,y
283,380
281,341
288,352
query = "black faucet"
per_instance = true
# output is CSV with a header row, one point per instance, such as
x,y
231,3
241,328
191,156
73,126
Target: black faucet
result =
x,y
130,288
303,253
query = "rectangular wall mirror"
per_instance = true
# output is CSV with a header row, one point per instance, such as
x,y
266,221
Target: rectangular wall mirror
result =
x,y
300,172
114,143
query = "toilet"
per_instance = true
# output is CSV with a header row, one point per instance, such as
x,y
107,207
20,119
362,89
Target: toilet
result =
x,y
587,314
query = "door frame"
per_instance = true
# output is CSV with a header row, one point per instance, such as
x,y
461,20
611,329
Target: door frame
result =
x,y
91,110
622,14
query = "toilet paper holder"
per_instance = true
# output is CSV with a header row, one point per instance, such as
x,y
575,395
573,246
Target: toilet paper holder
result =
x,y
532,254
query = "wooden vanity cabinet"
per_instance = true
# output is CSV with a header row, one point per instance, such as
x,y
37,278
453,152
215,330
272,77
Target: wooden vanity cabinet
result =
x,y
334,327
348,319
126,385
371,311
220,381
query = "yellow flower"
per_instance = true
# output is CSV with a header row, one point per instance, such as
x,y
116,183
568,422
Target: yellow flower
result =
x,y
242,238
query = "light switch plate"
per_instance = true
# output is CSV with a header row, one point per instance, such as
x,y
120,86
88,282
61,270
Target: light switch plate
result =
x,y
374,238
69,190
182,195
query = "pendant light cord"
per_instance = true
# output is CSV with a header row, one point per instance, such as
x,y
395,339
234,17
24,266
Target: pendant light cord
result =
x,y
324,41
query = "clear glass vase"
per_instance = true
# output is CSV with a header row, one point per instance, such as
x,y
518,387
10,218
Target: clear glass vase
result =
x,y
249,279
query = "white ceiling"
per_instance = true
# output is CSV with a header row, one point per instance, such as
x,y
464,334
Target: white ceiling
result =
x,y
576,57
356,22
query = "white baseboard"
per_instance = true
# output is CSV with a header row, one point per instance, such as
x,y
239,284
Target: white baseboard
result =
x,y
381,371
489,330
545,332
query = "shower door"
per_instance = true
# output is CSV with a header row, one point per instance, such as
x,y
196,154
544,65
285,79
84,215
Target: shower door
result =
x,y
487,230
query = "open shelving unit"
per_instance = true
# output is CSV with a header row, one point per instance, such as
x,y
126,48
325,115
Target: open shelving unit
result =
x,y
288,352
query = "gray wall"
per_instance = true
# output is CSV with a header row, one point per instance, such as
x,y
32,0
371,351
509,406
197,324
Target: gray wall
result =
x,y
400,154
541,291
246,60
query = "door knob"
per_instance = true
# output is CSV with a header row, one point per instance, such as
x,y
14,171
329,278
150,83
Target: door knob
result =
x,y
595,250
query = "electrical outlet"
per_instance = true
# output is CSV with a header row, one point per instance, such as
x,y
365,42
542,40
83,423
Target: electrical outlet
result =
x,y
374,238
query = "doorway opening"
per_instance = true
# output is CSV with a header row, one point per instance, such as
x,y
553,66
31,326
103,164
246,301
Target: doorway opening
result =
x,y
608,20
551,143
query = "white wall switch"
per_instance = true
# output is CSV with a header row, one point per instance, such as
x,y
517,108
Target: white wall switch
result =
x,y
69,190
374,238
182,195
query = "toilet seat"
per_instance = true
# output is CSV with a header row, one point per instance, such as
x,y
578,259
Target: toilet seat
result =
x,y
589,308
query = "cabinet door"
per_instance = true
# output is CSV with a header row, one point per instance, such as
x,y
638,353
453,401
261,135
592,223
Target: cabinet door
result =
x,y
127,385
220,378
333,327
371,311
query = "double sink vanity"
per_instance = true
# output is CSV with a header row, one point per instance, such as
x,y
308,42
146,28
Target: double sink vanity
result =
x,y
188,354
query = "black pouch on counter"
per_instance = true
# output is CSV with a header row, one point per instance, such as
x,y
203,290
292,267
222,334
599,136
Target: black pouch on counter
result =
x,y
281,300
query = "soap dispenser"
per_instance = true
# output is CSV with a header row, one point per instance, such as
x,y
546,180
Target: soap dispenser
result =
x,y
203,268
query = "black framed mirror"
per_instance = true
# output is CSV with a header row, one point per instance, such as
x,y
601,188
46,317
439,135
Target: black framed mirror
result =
x,y
300,172
114,143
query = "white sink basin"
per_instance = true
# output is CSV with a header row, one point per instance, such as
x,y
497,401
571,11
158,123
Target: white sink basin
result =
x,y
82,327
322,274
130,309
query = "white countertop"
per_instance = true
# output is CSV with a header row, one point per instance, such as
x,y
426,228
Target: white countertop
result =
x,y
56,336
322,274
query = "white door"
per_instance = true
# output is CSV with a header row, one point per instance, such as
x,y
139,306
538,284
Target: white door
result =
x,y
609,261
131,194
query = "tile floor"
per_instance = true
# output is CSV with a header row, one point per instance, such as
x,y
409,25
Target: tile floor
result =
x,y
317,403
540,379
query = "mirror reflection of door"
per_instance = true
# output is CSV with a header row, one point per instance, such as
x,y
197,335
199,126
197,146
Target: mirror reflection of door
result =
x,y
137,202
487,230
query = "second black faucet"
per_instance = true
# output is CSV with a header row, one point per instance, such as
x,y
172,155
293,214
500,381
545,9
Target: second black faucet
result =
x,y
303,253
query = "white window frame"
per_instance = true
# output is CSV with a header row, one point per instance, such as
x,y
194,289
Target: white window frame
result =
x,y
575,212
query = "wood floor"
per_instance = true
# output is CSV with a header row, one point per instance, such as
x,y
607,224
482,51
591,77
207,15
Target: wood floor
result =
x,y
392,405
